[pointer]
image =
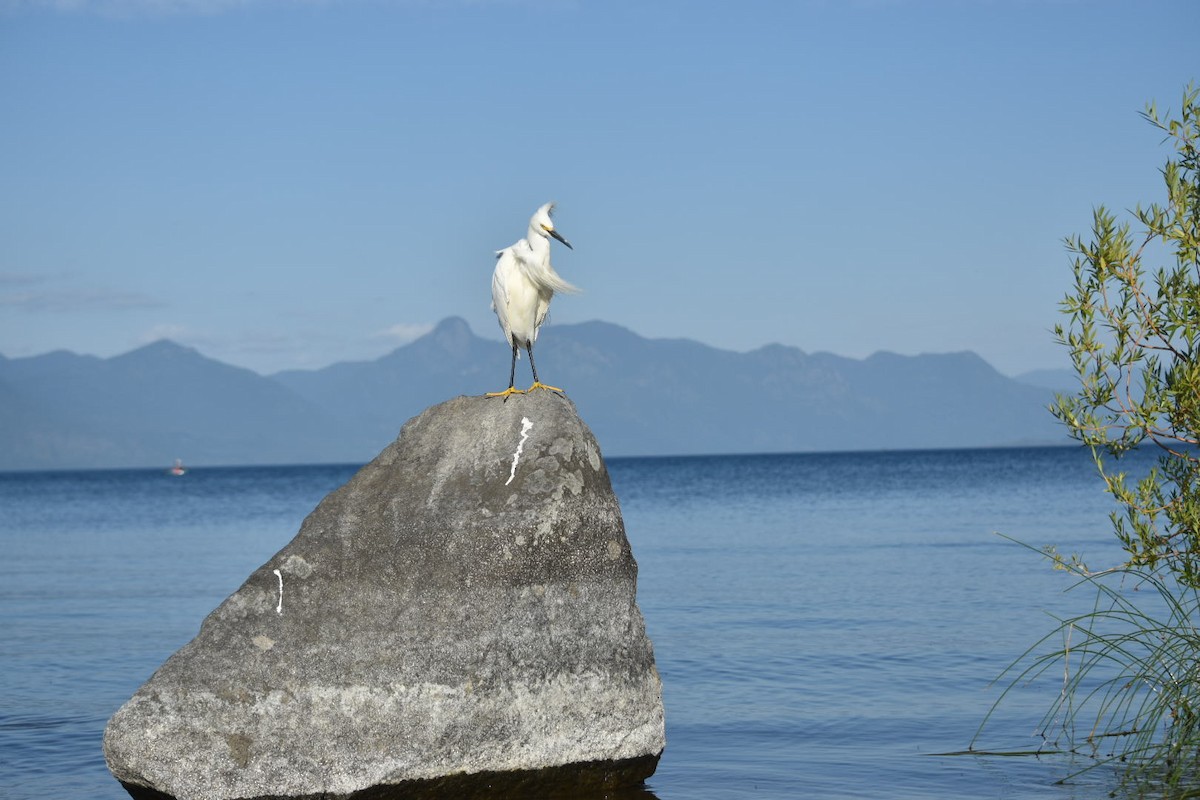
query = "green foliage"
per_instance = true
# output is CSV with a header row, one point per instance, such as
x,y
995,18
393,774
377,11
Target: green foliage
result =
x,y
1130,692
1134,338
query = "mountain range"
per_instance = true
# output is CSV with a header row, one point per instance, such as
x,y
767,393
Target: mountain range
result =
x,y
640,397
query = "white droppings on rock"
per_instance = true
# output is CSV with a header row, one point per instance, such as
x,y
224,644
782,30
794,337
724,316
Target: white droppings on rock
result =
x,y
526,427
279,606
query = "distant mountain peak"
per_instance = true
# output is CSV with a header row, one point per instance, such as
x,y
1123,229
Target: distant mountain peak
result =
x,y
452,335
162,352
164,347
453,326
168,355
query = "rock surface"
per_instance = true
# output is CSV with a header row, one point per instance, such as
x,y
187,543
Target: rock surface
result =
x,y
464,607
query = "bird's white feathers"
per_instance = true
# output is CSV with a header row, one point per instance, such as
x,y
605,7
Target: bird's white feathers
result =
x,y
524,281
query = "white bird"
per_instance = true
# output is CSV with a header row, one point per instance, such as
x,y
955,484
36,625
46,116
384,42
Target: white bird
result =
x,y
522,286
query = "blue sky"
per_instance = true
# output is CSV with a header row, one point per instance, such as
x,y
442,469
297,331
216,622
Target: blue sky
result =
x,y
289,184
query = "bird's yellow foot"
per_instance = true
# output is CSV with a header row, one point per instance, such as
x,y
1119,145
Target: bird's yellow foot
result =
x,y
509,391
540,385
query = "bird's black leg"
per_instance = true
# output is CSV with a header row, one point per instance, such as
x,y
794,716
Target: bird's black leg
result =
x,y
537,384
532,366
512,378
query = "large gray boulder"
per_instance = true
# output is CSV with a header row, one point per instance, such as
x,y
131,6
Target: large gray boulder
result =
x,y
459,617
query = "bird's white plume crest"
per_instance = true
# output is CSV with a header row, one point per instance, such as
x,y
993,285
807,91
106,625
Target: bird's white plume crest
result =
x,y
542,219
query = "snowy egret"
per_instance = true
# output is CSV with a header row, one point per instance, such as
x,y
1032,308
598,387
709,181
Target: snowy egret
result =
x,y
522,286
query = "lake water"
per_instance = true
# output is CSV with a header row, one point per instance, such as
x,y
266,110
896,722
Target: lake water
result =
x,y
825,624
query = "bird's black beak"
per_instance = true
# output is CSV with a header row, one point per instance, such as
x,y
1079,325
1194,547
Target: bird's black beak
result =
x,y
561,239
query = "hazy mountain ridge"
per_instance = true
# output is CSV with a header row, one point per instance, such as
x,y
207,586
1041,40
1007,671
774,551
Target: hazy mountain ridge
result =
x,y
1064,381
640,396
150,405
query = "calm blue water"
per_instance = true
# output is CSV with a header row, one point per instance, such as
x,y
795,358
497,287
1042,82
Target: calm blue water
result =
x,y
824,624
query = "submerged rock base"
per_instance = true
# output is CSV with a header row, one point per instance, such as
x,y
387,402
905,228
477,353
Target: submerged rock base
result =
x,y
609,780
458,620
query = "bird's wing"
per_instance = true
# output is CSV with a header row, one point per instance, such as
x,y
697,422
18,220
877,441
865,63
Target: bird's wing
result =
x,y
540,274
543,310
505,264
555,282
